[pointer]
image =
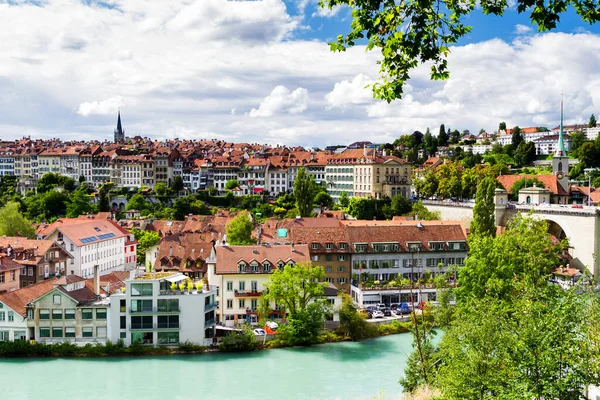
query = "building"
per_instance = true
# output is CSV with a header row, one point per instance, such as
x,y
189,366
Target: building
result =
x,y
163,309
9,274
70,311
39,259
91,242
185,253
385,253
240,274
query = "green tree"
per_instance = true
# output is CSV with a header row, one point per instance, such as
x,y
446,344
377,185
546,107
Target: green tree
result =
x,y
502,126
442,138
410,33
323,198
231,184
484,218
177,185
516,137
138,202
353,324
239,341
450,179
103,202
429,143
419,211
239,230
304,193
588,155
79,203
524,183
13,223
399,206
524,252
189,204
578,138
525,153
146,240
428,185
343,199
592,123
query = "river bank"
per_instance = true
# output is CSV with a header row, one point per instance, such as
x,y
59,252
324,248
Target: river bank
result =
x,y
22,349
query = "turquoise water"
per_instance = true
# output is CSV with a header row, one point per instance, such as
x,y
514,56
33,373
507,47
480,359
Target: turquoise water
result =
x,y
331,371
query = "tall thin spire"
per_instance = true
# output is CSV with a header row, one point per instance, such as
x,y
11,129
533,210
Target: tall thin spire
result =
x,y
120,128
561,151
119,132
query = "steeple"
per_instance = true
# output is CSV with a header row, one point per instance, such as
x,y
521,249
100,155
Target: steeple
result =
x,y
119,132
561,151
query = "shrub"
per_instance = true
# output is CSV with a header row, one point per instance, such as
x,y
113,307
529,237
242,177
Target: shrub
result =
x,y
239,341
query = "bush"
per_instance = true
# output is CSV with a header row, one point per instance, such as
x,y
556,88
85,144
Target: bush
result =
x,y
239,341
187,347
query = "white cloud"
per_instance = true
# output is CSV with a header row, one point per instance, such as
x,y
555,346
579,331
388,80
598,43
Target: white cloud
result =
x,y
354,92
281,100
326,12
104,107
522,29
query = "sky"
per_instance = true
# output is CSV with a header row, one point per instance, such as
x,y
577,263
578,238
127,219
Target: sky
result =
x,y
261,72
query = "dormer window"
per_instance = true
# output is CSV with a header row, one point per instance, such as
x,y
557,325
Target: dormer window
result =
x,y
281,265
266,267
414,246
343,246
360,248
328,246
242,267
315,246
254,266
290,263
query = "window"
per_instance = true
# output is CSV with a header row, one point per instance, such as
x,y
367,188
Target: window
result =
x,y
254,304
11,316
229,303
44,314
87,313
141,322
242,303
122,305
280,265
87,332
168,305
314,258
242,267
3,336
101,313
361,248
123,335
57,314
12,276
242,285
57,332
254,286
315,246
168,337
168,321
328,246
341,269
266,267
30,271
254,267
141,306
328,269
141,289
70,314
69,332
44,332
343,246
101,332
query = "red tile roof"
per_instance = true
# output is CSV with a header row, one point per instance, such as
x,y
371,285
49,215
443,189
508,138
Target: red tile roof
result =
x,y
228,257
18,299
550,182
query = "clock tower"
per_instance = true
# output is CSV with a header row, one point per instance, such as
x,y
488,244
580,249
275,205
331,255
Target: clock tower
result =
x,y
560,161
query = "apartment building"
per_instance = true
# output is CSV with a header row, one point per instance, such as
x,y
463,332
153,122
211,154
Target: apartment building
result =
x,y
49,161
367,173
163,309
70,311
38,259
240,274
252,174
91,242
7,163
9,274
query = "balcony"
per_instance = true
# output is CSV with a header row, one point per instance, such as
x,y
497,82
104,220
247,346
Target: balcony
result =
x,y
209,322
169,309
144,310
169,326
249,293
210,307
139,327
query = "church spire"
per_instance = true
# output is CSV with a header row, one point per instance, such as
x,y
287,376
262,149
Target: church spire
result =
x,y
119,132
561,151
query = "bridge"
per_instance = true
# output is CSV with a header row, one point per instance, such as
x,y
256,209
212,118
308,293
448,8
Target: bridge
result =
x,y
580,225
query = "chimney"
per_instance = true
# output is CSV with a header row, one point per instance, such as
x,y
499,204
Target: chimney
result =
x,y
96,281
365,150
170,251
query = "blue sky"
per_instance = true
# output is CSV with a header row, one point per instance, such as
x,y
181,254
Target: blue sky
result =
x,y
261,71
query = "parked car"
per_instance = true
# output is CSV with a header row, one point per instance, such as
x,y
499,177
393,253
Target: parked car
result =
x,y
403,308
272,325
381,306
377,314
576,206
422,305
259,332
387,312
393,306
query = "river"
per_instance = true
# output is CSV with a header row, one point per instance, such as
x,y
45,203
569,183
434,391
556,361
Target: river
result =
x,y
348,370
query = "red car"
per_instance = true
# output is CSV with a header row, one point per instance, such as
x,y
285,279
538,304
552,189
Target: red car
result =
x,y
576,206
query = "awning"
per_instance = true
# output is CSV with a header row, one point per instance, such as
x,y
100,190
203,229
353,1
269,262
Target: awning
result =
x,y
258,190
176,278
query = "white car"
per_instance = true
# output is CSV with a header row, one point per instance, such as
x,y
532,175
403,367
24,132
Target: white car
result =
x,y
377,314
272,325
259,332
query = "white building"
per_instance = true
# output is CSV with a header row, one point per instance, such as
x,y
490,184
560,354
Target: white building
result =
x,y
7,164
591,133
91,242
240,273
155,310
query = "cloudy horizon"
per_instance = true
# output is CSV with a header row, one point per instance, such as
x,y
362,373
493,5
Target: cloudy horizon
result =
x,y
261,71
